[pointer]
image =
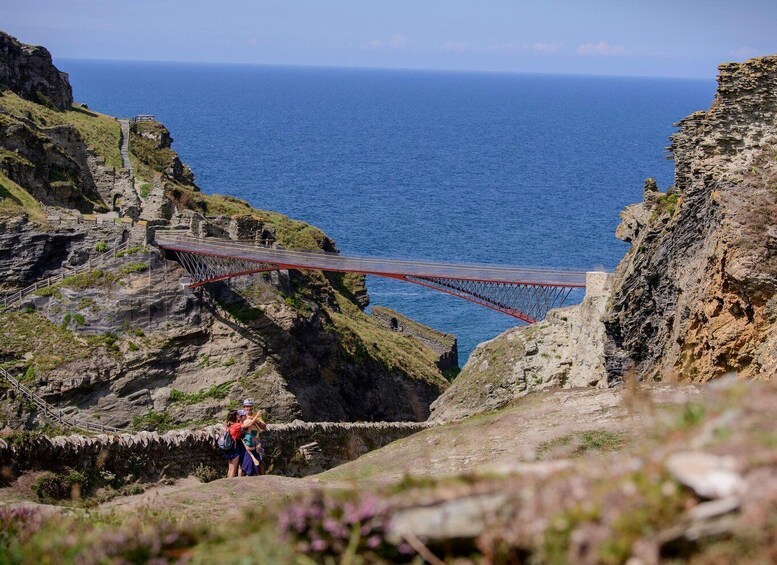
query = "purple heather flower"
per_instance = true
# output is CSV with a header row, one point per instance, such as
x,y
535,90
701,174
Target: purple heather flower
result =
x,y
318,545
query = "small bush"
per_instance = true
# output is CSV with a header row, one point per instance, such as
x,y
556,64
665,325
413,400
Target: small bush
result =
x,y
130,251
132,346
145,190
75,319
206,474
137,267
53,486
101,246
48,291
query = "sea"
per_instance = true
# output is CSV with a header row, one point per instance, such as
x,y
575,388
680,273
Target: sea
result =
x,y
509,169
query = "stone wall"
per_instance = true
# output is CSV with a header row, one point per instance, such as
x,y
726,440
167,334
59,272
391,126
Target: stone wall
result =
x,y
295,449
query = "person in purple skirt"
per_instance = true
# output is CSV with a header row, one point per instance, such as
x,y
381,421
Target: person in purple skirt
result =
x,y
252,458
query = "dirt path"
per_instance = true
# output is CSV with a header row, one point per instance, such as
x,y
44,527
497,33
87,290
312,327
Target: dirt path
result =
x,y
496,441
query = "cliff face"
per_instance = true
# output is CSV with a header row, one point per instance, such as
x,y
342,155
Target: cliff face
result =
x,y
564,350
28,71
695,296
123,343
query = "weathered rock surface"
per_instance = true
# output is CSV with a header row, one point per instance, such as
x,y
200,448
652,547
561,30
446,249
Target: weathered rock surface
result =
x,y
28,71
564,350
695,296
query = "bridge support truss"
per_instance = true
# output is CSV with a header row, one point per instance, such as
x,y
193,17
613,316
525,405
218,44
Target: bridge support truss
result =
x,y
205,269
529,302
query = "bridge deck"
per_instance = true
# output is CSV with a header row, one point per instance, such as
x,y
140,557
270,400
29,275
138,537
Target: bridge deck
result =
x,y
393,268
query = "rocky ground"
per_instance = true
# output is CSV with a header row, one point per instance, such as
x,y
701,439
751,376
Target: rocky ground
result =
x,y
647,474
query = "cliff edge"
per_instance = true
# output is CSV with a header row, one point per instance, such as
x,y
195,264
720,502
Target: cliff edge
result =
x,y
696,295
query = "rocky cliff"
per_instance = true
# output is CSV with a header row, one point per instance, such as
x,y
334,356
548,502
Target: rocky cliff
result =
x,y
696,295
28,71
123,342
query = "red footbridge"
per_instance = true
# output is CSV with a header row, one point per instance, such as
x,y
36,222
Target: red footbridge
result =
x,y
526,294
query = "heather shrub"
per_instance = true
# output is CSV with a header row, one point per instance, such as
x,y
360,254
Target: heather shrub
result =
x,y
321,526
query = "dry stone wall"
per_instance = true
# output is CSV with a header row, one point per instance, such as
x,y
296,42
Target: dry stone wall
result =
x,y
296,449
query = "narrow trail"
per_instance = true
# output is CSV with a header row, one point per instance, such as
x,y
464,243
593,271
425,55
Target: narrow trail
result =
x,y
125,134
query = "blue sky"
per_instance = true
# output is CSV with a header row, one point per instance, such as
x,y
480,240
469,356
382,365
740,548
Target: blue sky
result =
x,y
682,38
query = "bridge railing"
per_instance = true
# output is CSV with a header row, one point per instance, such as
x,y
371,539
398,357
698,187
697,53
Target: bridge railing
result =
x,y
56,414
575,278
15,298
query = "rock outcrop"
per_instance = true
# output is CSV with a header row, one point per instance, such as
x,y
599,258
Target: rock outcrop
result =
x,y
696,296
125,344
564,350
28,71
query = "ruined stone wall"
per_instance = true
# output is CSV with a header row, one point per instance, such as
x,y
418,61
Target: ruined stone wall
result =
x,y
295,449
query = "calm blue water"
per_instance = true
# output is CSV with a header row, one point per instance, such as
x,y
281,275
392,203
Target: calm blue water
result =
x,y
513,169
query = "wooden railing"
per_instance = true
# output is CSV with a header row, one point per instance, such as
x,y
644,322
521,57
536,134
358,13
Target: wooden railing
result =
x,y
55,414
13,299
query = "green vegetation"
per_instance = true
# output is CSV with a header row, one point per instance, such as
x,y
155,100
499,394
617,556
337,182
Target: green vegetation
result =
x,y
145,190
130,251
99,131
667,204
146,149
52,291
137,267
50,344
153,421
366,341
575,445
106,340
242,311
49,487
101,246
217,392
76,319
96,278
15,200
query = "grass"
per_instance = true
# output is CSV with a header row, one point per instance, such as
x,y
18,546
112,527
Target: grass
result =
x,y
136,267
88,279
667,204
14,200
575,445
153,421
99,131
145,190
217,392
130,251
364,340
51,345
147,150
